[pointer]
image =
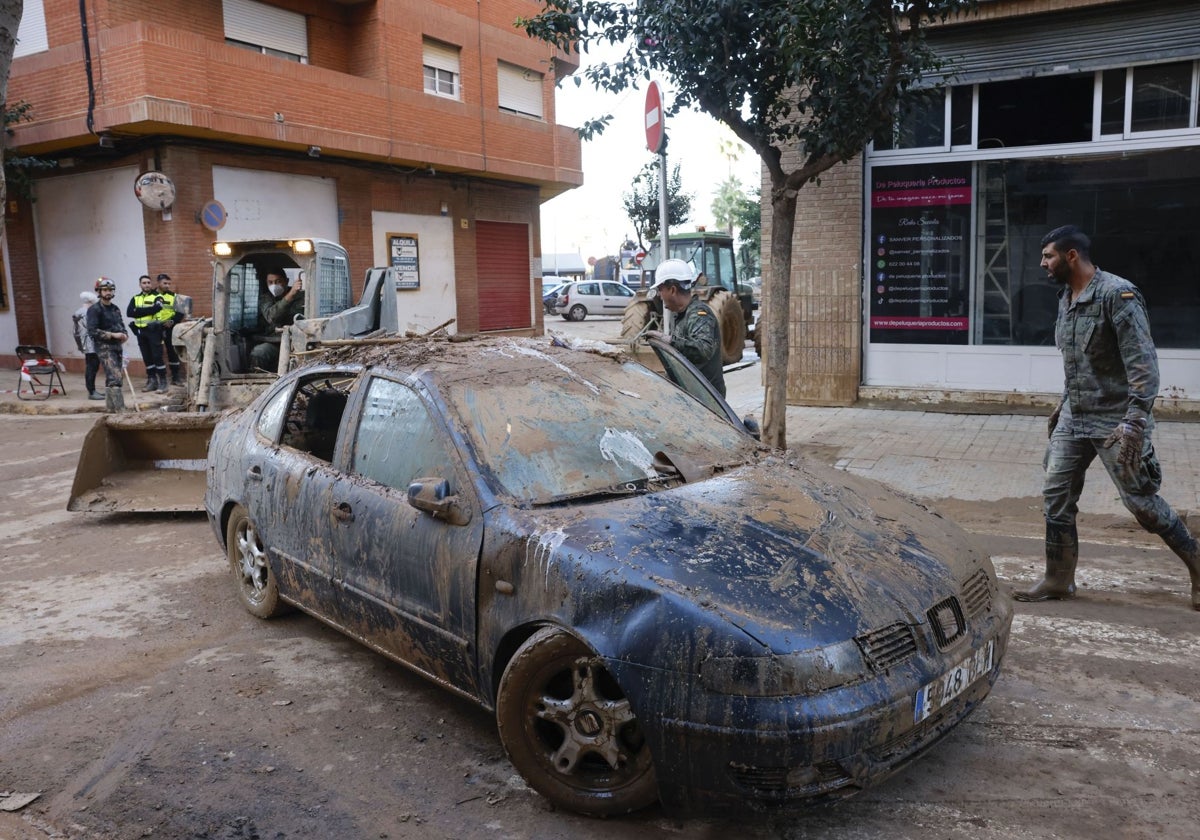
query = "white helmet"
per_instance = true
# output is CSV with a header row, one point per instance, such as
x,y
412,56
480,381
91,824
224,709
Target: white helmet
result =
x,y
675,271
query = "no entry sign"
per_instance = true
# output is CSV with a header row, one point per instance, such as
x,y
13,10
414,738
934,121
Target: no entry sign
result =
x,y
655,125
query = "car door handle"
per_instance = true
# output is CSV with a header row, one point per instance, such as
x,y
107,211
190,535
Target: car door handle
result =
x,y
254,474
342,512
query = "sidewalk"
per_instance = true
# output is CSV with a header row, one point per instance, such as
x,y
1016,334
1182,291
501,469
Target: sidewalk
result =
x,y
75,400
932,455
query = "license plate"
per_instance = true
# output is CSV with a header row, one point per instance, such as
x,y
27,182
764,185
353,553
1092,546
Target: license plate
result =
x,y
954,682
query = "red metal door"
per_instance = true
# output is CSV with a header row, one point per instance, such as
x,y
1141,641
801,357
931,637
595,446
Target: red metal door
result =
x,y
502,265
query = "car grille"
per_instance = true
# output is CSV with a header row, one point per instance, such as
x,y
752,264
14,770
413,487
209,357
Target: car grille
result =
x,y
977,594
888,646
796,782
946,619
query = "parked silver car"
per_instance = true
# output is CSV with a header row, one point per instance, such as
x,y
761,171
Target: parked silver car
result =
x,y
593,297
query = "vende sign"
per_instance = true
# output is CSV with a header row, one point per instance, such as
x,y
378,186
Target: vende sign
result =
x,y
655,126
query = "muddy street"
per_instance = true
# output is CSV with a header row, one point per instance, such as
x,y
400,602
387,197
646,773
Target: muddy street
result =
x,y
139,699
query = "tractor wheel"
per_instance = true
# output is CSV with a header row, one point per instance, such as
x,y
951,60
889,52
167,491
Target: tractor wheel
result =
x,y
728,311
638,317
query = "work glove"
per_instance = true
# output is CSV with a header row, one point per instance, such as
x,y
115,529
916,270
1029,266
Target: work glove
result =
x,y
1052,421
661,336
1129,434
158,304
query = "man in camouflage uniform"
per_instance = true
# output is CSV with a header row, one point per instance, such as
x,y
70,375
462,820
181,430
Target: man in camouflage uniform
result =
x,y
696,333
1111,370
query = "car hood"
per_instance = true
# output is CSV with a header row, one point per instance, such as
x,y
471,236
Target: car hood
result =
x,y
794,553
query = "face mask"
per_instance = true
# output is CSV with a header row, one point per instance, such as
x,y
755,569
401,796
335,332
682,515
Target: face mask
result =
x,y
276,289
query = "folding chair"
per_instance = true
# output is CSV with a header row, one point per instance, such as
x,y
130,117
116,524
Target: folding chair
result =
x,y
36,361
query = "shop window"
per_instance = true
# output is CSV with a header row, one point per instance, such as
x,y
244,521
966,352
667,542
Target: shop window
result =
x,y
266,29
1162,96
520,90
1112,101
442,69
1035,112
920,123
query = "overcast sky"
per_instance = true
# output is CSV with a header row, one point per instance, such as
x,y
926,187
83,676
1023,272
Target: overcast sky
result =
x,y
590,220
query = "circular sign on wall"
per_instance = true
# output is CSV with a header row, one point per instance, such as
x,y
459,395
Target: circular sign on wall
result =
x,y
213,216
155,190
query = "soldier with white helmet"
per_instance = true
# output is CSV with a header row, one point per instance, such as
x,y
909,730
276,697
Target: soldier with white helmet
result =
x,y
696,334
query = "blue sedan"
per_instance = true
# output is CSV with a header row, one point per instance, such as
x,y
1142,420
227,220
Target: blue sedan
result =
x,y
655,606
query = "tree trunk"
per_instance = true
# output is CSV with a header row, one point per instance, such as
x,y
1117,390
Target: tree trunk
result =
x,y
777,299
10,21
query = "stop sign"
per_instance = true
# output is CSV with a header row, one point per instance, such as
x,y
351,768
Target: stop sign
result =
x,y
639,256
655,126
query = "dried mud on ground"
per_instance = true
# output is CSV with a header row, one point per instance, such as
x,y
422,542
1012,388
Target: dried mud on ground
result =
x,y
139,700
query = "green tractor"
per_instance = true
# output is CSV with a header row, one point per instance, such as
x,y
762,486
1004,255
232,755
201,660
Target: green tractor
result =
x,y
710,255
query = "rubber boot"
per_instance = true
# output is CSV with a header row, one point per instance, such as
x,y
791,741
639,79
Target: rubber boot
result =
x,y
151,381
176,374
114,399
1180,540
162,381
1062,554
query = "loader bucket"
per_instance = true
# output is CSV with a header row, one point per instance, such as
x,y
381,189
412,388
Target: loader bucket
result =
x,y
153,461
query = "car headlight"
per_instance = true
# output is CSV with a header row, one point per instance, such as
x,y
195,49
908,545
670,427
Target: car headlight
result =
x,y
805,672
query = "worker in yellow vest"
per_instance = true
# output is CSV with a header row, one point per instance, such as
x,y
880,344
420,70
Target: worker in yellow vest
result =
x,y
168,316
143,309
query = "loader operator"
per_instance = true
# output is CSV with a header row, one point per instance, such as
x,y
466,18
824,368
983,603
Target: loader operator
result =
x,y
696,333
278,307
107,329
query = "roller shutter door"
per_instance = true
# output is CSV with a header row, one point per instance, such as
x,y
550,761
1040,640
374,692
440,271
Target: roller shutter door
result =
x,y
503,267
1075,41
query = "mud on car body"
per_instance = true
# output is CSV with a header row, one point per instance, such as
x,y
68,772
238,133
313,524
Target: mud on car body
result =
x,y
654,605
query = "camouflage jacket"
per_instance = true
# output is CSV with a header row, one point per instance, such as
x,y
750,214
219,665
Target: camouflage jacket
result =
x,y
697,335
1109,360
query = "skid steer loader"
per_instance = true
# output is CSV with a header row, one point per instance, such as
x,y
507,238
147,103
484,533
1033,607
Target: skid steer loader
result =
x,y
156,460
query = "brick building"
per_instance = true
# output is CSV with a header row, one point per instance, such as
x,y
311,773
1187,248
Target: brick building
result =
x,y
343,119
915,266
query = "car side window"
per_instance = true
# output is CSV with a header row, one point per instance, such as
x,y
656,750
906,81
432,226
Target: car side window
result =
x,y
617,290
587,289
314,414
397,440
270,422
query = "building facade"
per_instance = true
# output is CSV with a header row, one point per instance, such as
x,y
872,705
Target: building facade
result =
x,y
915,266
367,122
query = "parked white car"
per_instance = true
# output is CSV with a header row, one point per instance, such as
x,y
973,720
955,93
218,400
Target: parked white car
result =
x,y
593,297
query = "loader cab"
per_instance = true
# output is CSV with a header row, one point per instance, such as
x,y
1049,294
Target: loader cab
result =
x,y
710,253
240,270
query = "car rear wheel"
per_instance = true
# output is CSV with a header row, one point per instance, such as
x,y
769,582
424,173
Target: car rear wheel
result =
x,y
569,729
578,312
251,570
728,311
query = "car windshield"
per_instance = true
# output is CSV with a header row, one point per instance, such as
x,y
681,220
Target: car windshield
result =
x,y
590,429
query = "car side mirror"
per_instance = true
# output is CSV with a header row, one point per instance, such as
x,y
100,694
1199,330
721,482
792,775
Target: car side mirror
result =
x,y
753,428
432,495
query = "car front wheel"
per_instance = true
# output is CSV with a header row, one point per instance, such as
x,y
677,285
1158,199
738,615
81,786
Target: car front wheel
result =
x,y
569,729
251,571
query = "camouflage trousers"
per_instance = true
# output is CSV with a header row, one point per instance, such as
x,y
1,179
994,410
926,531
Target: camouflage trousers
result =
x,y
110,359
1066,463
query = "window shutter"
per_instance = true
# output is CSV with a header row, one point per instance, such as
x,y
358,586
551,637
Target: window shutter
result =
x,y
441,56
266,26
520,90
31,34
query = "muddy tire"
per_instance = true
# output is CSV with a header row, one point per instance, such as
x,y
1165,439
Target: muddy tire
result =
x,y
569,730
639,316
251,570
728,310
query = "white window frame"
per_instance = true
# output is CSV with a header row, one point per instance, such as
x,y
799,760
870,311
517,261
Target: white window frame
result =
x,y
266,29
520,90
441,63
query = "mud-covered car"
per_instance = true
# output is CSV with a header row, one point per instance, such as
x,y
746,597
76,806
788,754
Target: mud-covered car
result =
x,y
655,605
